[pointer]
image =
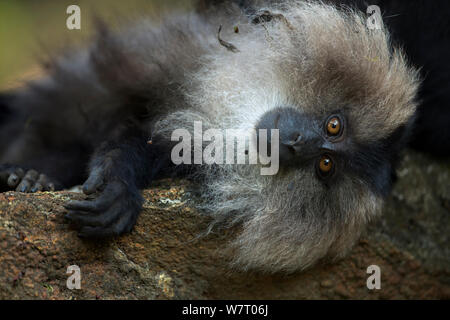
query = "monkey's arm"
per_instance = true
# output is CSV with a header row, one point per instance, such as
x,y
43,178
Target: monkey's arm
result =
x,y
118,170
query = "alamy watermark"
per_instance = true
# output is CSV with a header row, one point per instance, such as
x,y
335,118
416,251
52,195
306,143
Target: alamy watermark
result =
x,y
73,22
74,280
374,21
374,280
239,148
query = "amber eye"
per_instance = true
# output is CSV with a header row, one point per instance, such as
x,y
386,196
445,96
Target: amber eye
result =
x,y
334,126
325,165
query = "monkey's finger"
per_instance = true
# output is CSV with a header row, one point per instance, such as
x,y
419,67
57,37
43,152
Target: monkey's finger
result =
x,y
84,205
41,183
101,220
44,181
72,217
15,176
94,181
24,186
103,202
27,181
114,230
13,180
37,187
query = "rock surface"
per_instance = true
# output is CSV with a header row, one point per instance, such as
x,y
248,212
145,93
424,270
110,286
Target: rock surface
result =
x,y
165,258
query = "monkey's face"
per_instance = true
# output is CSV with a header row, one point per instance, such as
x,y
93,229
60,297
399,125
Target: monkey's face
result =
x,y
342,99
327,145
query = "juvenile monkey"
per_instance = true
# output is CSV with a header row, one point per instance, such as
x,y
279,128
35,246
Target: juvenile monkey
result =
x,y
341,95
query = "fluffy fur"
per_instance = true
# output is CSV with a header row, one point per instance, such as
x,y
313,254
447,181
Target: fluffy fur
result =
x,y
323,60
148,80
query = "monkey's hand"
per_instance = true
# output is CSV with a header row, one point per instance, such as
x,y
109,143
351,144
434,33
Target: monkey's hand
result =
x,y
118,171
23,180
111,208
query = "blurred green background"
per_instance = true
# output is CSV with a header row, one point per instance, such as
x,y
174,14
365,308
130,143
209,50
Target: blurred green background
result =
x,y
31,28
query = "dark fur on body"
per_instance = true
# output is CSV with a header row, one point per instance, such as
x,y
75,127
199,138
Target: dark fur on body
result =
x,y
94,112
98,107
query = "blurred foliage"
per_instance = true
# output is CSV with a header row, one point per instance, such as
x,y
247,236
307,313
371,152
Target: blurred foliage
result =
x,y
29,29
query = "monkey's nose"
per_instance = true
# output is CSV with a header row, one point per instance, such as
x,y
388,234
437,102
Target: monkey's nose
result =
x,y
299,134
299,148
290,147
296,142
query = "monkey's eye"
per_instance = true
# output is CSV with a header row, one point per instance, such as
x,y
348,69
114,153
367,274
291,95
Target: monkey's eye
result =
x,y
334,126
325,166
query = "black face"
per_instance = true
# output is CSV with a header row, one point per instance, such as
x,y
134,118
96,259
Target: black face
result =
x,y
305,139
327,143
